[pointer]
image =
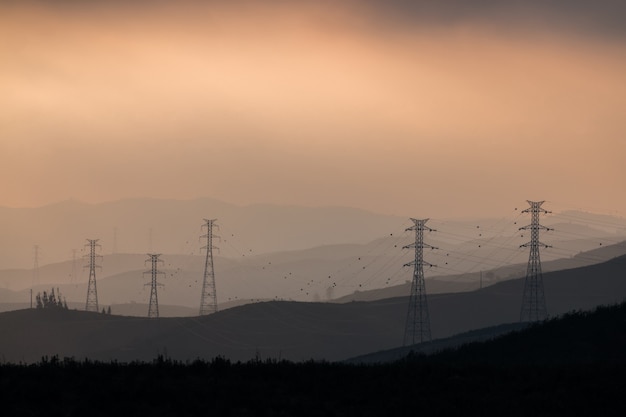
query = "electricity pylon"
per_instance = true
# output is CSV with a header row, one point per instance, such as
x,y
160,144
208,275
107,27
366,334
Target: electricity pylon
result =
x,y
92,290
534,301
153,308
208,300
417,328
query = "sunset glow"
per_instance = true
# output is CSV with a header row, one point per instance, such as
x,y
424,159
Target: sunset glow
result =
x,y
307,105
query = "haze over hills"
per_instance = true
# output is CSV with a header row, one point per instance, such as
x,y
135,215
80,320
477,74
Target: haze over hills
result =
x,y
293,330
330,271
318,274
173,227
475,280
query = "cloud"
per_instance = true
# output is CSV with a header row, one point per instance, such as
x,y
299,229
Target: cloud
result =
x,y
315,104
601,17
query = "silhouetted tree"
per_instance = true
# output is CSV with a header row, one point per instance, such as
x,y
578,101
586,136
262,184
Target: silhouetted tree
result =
x,y
50,301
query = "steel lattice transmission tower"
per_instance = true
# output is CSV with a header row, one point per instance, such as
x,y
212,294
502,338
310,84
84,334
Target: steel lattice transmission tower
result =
x,y
208,301
153,308
92,290
534,301
417,329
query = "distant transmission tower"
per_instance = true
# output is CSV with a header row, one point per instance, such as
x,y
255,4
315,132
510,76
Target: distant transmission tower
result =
x,y
35,265
92,290
417,329
73,276
534,301
153,308
208,301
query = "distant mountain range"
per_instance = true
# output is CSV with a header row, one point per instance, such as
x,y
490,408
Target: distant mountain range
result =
x,y
325,273
173,227
276,252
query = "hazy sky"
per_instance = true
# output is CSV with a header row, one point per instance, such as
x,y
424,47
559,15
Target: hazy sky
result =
x,y
400,107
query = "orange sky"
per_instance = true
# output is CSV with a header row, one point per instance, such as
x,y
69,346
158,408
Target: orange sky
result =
x,y
308,105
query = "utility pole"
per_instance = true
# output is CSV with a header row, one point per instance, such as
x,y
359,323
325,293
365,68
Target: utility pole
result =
x,y
35,265
208,300
92,290
417,328
534,301
73,276
153,308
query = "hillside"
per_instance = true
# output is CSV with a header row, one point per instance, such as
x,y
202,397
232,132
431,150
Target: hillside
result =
x,y
581,337
573,365
438,345
572,289
271,251
470,281
292,330
341,273
577,337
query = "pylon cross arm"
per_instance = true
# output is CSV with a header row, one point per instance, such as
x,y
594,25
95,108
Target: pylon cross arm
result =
x,y
529,244
536,227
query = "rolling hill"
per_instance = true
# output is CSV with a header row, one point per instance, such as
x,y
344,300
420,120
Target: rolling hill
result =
x,y
293,330
347,272
579,337
470,281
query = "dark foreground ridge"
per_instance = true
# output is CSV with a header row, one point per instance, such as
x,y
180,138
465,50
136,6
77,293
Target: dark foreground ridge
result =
x,y
574,365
